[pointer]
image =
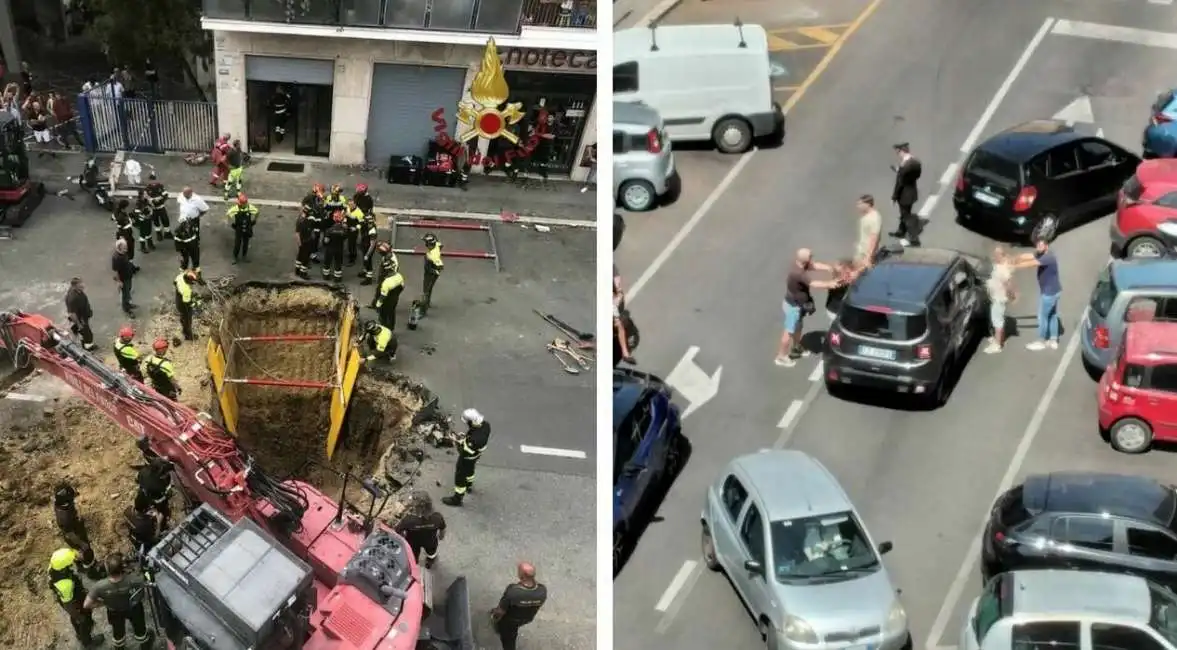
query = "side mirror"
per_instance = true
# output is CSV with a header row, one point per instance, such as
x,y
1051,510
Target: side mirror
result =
x,y
754,567
885,548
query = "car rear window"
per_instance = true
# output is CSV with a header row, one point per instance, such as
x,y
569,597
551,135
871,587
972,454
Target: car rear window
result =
x,y
995,167
1104,293
883,323
1133,188
1011,509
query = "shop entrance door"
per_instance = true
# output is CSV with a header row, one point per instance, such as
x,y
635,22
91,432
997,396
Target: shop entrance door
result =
x,y
308,127
312,120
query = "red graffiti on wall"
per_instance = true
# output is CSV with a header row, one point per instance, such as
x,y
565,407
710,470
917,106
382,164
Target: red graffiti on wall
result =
x,y
458,149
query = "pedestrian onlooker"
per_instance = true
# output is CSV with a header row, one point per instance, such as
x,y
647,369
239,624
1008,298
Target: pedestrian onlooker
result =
x,y
26,78
151,76
39,123
1050,288
1000,288
624,330
519,604
124,275
590,160
63,120
870,229
77,305
798,304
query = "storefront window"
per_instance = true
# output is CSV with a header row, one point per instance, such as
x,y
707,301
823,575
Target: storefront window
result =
x,y
362,13
405,13
567,99
314,12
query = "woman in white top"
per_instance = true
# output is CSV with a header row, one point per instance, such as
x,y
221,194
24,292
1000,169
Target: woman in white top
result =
x,y
1001,293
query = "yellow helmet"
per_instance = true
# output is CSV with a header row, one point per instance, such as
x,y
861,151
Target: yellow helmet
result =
x,y
62,559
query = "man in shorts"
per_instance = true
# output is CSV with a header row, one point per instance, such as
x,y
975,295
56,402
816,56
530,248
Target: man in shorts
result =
x,y
798,304
999,286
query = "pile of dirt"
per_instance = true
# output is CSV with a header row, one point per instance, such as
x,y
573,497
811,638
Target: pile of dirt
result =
x,y
73,442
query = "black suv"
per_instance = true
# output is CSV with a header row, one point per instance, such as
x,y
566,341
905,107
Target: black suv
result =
x,y
907,321
1039,178
1084,520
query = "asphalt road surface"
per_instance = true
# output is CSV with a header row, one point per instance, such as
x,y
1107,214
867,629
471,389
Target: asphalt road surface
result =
x,y
940,76
481,346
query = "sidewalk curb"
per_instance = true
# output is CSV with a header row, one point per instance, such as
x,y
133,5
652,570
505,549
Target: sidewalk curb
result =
x,y
505,217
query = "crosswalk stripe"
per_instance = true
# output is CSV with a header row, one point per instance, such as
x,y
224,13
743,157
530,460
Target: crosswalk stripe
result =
x,y
823,35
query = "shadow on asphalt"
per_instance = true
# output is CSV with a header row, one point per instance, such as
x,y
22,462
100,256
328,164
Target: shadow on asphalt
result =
x,y
996,235
648,512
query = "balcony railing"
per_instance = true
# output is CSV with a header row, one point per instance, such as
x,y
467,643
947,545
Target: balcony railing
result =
x,y
482,16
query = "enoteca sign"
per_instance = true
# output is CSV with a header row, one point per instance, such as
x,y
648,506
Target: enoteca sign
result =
x,y
525,57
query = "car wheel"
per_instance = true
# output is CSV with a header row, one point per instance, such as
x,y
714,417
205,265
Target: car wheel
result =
x,y
1144,247
637,196
732,135
1131,436
1046,228
710,559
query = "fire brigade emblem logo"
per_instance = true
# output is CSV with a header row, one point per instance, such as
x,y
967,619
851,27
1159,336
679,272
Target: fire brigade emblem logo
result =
x,y
482,117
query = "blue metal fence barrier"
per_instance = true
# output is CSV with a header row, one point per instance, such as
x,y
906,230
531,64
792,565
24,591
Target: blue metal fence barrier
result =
x,y
145,125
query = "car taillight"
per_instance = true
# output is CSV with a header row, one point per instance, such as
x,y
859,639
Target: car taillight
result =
x,y
1161,118
1100,337
960,181
653,142
999,536
923,351
835,338
1025,198
1112,389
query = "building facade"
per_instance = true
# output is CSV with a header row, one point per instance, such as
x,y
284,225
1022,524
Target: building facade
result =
x,y
369,80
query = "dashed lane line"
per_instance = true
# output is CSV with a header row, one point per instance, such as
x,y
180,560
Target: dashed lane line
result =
x,y
790,414
817,370
676,585
949,175
553,451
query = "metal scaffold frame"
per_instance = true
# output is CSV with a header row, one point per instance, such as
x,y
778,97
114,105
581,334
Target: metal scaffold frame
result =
x,y
283,383
491,253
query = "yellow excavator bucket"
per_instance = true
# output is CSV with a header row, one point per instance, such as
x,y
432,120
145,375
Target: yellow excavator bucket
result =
x,y
348,368
226,392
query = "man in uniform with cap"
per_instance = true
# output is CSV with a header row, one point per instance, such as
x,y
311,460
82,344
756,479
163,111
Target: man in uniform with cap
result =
x,y
73,528
70,594
433,267
470,448
905,194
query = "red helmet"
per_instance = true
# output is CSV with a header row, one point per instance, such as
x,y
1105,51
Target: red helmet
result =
x,y
160,345
362,187
242,199
338,216
126,333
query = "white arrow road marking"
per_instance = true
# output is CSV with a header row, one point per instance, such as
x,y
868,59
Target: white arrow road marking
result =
x,y
1078,110
692,383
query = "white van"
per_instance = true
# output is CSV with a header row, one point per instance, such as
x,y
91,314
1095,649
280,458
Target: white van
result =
x,y
709,82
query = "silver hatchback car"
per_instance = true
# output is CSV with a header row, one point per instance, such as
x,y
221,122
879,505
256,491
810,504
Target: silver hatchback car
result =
x,y
643,164
1127,290
783,530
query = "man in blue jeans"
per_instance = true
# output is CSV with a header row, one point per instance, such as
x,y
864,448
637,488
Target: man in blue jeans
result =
x,y
1050,288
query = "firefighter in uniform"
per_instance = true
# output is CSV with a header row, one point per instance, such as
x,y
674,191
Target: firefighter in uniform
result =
x,y
355,222
73,528
280,111
124,226
188,245
312,207
242,216
142,219
422,527
388,266
470,449
70,593
127,354
159,210
142,531
186,301
235,181
333,241
368,234
155,490
161,372
388,295
364,200
304,239
334,201
381,343
433,267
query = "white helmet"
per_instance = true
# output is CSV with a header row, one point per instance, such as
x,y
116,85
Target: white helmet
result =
x,y
472,417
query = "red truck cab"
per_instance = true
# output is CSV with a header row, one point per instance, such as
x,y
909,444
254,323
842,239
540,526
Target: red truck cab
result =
x,y
1138,391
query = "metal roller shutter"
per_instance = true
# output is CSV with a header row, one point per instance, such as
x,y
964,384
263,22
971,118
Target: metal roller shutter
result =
x,y
290,71
403,99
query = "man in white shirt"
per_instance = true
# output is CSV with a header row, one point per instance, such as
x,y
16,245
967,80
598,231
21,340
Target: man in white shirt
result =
x,y
1000,289
870,227
191,205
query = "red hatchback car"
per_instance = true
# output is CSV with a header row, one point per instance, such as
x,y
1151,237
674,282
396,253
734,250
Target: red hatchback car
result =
x,y
1146,212
1138,391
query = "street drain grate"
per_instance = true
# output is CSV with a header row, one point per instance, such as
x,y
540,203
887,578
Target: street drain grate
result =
x,y
293,168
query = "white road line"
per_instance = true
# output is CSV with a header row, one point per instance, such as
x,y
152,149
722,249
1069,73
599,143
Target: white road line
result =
x,y
1006,85
956,589
787,434
790,414
683,232
25,397
553,451
816,374
928,206
1115,33
676,585
1160,2
949,175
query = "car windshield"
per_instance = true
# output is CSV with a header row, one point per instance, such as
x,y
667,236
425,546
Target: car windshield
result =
x,y
1104,294
1163,615
829,547
995,168
881,323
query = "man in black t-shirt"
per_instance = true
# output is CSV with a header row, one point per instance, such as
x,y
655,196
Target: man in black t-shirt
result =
x,y
422,527
798,304
520,602
122,594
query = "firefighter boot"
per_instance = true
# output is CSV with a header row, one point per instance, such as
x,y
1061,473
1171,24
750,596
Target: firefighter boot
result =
x,y
143,246
151,243
159,235
454,500
366,281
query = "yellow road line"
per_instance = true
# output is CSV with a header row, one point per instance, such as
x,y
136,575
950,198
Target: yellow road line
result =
x,y
785,89
778,44
830,54
819,34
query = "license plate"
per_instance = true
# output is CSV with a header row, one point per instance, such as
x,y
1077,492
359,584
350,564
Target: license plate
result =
x,y
876,353
987,198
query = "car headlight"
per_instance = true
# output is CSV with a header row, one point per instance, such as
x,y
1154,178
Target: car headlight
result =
x,y
896,620
1169,228
798,631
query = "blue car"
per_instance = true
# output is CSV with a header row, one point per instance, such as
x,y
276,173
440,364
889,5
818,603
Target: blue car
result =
x,y
1160,136
647,451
